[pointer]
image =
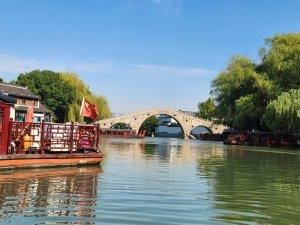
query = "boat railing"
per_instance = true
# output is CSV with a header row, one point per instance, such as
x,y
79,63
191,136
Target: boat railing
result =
x,y
41,138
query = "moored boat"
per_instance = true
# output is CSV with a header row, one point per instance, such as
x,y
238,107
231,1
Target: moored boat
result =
x,y
121,133
268,139
46,144
30,145
210,137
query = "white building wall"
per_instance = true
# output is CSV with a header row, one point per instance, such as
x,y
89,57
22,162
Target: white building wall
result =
x,y
12,113
172,130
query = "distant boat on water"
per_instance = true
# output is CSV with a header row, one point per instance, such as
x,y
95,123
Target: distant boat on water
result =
x,y
121,133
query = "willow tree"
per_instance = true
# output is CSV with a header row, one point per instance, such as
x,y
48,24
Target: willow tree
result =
x,y
244,90
283,114
241,94
281,61
82,91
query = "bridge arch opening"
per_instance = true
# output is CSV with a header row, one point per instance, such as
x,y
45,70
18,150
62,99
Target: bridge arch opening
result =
x,y
197,131
162,125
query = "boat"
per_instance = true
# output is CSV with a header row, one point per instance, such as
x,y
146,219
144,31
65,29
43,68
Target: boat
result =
x,y
210,137
121,133
31,145
268,139
46,144
43,144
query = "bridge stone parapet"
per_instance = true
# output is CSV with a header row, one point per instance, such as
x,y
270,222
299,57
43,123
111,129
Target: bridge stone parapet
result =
x,y
187,122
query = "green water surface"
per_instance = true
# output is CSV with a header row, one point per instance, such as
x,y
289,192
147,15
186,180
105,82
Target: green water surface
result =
x,y
160,181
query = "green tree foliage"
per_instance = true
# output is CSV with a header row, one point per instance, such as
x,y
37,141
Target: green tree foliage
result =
x,y
82,91
121,126
241,94
281,60
206,109
246,113
284,112
55,93
244,90
149,125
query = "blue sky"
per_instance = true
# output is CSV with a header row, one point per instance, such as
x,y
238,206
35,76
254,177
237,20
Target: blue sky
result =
x,y
139,54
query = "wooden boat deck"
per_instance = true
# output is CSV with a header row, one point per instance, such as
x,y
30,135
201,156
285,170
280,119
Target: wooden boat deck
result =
x,y
48,160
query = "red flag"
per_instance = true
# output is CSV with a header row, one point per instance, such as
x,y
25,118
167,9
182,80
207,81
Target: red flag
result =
x,y
88,110
29,114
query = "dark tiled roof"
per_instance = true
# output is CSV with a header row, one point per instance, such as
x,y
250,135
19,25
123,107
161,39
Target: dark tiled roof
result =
x,y
41,109
17,91
7,99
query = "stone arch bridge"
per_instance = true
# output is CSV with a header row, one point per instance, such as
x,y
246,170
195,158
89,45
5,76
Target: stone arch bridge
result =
x,y
186,122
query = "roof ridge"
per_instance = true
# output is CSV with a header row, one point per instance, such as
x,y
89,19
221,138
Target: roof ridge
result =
x,y
17,86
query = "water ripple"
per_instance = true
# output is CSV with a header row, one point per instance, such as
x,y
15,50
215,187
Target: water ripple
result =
x,y
160,181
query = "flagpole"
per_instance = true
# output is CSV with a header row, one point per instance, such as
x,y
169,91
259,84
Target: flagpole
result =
x,y
81,106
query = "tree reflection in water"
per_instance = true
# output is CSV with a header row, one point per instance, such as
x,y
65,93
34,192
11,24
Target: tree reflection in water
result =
x,y
254,186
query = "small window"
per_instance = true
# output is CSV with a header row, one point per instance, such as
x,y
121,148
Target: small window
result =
x,y
23,101
20,117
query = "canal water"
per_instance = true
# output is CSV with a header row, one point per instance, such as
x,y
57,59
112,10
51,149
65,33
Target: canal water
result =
x,y
160,181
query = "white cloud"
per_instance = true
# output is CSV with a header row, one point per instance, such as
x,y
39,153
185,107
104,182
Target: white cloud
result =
x,y
12,64
163,70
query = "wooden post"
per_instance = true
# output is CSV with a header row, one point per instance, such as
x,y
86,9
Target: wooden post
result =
x,y
43,138
10,136
98,135
71,137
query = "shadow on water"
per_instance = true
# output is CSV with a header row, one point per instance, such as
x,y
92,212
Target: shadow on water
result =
x,y
48,196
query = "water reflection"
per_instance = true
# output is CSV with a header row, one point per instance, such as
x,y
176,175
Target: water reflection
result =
x,y
172,181
163,151
160,181
62,195
250,186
